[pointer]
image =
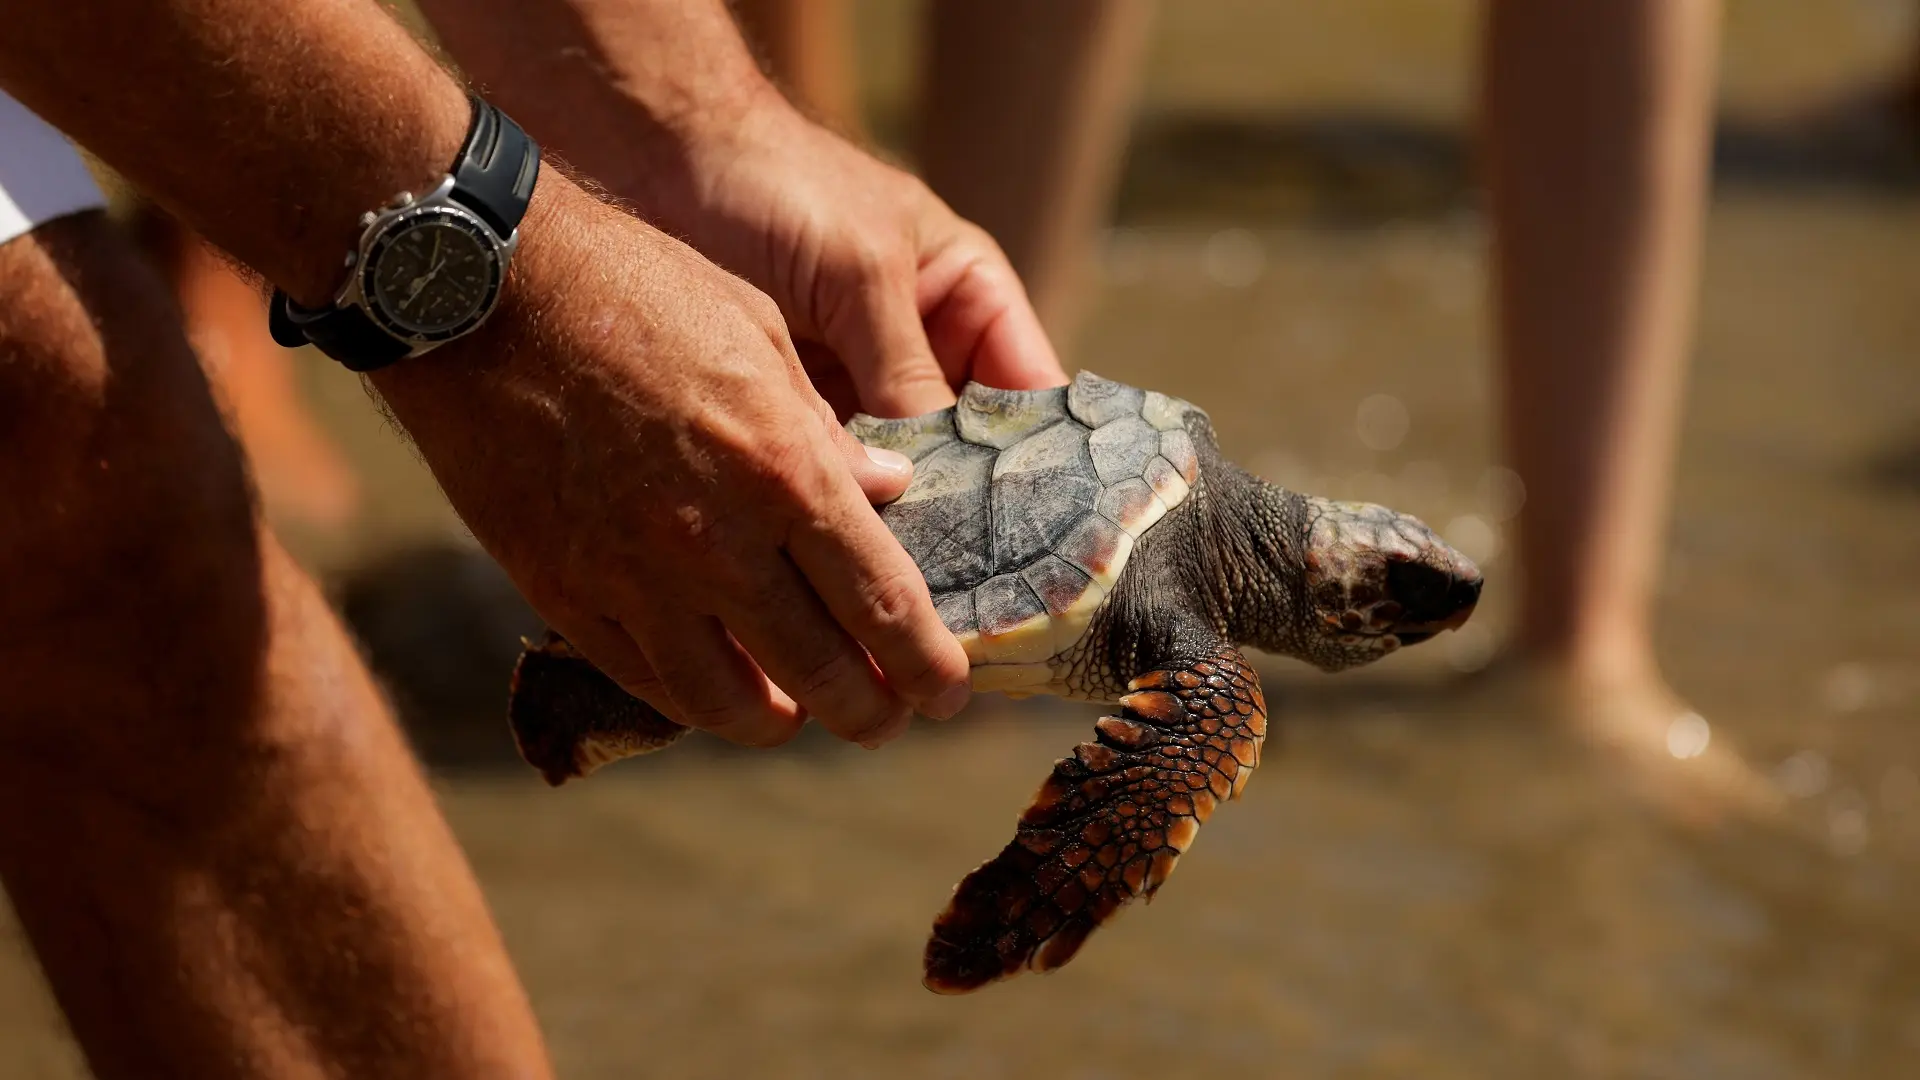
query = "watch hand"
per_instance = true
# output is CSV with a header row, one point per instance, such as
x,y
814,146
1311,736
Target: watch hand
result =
x,y
419,283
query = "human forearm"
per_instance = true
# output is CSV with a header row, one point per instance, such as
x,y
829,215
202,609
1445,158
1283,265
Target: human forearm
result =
x,y
271,125
619,88
659,101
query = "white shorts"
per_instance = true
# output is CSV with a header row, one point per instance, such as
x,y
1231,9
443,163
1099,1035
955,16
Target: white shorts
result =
x,y
41,174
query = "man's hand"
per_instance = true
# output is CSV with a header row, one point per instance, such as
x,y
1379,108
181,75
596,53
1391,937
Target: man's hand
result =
x,y
873,272
887,292
655,471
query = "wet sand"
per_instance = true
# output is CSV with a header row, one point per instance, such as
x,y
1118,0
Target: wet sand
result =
x,y
1426,878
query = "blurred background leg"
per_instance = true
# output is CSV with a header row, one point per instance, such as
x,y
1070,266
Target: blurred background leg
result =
x,y
301,473
808,45
1026,113
1600,117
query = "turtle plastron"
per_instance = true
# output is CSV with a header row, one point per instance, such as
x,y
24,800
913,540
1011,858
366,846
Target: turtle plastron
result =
x,y
1108,825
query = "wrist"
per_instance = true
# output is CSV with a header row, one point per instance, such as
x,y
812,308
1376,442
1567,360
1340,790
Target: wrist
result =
x,y
310,266
516,341
626,93
651,143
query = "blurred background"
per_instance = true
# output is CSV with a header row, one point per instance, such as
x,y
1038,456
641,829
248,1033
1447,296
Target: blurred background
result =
x,y
1430,876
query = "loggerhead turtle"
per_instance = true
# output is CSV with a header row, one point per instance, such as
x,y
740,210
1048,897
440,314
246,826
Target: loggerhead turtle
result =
x,y
1089,541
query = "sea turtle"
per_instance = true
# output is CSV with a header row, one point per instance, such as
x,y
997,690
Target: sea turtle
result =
x,y
1089,541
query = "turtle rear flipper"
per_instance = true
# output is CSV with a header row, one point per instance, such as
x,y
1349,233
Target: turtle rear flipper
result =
x,y
1107,826
569,718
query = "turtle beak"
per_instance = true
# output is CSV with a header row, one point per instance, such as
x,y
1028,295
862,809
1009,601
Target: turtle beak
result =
x,y
1434,597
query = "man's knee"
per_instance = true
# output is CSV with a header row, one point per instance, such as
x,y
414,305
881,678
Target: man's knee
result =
x,y
127,535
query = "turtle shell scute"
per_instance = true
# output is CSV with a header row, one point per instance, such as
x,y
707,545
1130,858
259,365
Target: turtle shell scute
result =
x,y
1025,504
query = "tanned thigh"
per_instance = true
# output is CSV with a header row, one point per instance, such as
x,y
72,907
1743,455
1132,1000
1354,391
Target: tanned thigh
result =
x,y
226,860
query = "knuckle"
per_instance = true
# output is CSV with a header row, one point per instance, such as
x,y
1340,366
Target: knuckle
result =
x,y
768,313
753,302
740,722
923,376
697,532
827,677
983,243
893,603
870,259
790,468
862,725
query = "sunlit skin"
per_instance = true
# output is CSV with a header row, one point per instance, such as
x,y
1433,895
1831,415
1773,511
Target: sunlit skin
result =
x,y
1032,154
192,760
242,827
1596,244
304,478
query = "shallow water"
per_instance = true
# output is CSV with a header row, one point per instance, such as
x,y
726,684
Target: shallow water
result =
x,y
1426,878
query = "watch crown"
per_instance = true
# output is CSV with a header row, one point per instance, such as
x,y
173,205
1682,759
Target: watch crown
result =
x,y
367,219
352,257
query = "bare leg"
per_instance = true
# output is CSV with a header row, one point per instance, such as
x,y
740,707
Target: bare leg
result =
x,y
1600,117
216,841
1909,90
1027,112
808,44
300,471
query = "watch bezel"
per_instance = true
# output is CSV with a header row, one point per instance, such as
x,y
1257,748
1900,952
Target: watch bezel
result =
x,y
401,221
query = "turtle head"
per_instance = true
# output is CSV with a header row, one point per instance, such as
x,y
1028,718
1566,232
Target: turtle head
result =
x,y
1375,580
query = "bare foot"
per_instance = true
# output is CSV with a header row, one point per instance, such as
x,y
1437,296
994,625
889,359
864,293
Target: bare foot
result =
x,y
1669,755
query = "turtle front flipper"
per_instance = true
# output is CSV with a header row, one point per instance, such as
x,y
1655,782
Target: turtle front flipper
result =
x,y
1108,825
569,718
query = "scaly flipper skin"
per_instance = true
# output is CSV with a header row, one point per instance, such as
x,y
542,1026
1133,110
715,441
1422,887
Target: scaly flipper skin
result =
x,y
569,718
1108,825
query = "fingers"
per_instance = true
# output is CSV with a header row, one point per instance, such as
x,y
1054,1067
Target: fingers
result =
x,y
713,684
875,591
979,321
878,335
608,645
807,653
883,475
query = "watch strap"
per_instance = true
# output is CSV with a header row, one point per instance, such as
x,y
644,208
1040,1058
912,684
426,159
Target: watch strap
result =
x,y
496,170
493,177
344,333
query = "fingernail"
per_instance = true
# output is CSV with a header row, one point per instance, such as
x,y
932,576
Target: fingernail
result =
x,y
946,705
891,460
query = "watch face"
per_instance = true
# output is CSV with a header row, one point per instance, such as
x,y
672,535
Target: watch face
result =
x,y
432,275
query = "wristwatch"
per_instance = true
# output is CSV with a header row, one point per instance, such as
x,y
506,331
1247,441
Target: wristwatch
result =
x,y
428,269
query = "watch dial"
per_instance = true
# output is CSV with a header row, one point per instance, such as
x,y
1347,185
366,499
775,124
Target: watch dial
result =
x,y
433,277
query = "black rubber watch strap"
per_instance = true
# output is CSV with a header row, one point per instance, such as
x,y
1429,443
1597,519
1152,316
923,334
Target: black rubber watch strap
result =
x,y
493,177
344,333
